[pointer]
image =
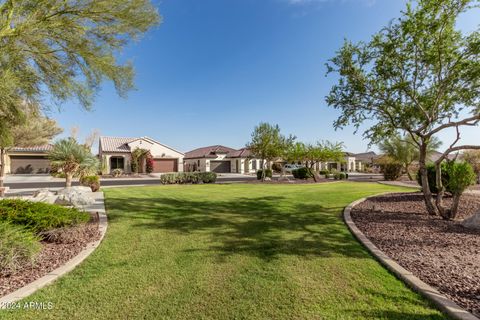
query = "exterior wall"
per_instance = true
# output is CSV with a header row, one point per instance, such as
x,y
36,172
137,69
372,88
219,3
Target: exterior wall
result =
x,y
158,151
190,163
205,164
105,156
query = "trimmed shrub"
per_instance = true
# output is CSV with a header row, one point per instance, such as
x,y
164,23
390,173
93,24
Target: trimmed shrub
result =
x,y
392,171
302,173
456,177
38,216
324,172
461,176
91,181
18,246
207,177
268,174
117,172
340,176
188,177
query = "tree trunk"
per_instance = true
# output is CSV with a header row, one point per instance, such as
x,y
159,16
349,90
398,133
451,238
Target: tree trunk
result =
x,y
427,195
440,191
2,171
454,209
263,170
68,180
409,174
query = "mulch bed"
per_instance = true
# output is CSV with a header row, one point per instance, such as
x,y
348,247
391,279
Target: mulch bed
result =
x,y
52,256
441,253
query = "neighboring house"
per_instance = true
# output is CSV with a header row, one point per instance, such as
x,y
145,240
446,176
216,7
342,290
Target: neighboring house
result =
x,y
29,160
349,164
366,160
116,153
221,159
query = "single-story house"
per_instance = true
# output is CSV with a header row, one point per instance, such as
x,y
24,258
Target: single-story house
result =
x,y
116,153
349,164
28,160
221,159
366,160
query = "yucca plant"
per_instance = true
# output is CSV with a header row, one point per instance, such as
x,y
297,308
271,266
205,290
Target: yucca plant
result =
x,y
73,159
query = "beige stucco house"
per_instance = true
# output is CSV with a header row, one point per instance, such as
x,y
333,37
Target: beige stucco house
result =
x,y
221,159
116,153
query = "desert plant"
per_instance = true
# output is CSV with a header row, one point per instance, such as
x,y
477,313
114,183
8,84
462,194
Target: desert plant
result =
x,y
39,216
261,175
18,246
391,168
117,172
431,176
91,181
73,159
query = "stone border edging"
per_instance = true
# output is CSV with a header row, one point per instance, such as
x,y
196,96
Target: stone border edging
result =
x,y
98,206
443,303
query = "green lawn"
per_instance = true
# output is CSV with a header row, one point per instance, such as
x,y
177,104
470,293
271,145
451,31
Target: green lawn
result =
x,y
231,252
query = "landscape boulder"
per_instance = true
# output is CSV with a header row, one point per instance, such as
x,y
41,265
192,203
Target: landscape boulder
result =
x,y
75,196
43,195
472,222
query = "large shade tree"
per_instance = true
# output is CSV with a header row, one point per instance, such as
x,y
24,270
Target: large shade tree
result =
x,y
418,75
65,49
30,128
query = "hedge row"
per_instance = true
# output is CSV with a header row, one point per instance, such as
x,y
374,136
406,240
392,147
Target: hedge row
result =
x,y
188,177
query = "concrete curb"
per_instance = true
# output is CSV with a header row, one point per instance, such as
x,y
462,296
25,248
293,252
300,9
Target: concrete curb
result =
x,y
443,303
98,206
399,184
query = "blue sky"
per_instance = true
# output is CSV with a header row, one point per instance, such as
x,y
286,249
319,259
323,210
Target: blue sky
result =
x,y
215,68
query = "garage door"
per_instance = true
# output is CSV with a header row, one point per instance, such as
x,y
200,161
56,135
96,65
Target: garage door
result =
x,y
165,165
220,166
29,164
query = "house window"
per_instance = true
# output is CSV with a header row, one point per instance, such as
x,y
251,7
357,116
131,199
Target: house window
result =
x,y
117,163
254,164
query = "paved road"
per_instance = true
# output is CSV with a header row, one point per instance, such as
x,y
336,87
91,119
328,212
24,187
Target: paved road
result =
x,y
112,182
49,182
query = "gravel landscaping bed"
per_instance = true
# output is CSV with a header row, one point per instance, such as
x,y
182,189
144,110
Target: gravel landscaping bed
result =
x,y
441,253
60,248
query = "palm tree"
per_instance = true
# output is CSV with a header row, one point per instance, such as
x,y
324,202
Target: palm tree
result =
x,y
73,159
405,151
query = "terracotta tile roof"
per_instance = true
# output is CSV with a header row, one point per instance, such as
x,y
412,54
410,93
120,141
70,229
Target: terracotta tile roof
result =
x,y
241,153
115,144
208,152
39,149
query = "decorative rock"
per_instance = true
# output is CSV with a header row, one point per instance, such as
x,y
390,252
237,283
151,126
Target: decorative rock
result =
x,y
268,179
75,196
44,195
80,189
472,222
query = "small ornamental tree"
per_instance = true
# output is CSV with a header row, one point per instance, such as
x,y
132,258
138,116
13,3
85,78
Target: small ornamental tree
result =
x,y
419,76
268,143
73,159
